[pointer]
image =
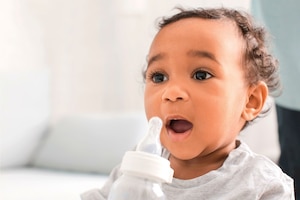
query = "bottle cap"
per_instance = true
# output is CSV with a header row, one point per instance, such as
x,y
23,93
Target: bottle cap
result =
x,y
146,165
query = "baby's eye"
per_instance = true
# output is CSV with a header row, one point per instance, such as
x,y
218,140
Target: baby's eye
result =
x,y
201,75
158,77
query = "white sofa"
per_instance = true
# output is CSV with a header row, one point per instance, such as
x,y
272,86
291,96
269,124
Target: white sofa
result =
x,y
74,156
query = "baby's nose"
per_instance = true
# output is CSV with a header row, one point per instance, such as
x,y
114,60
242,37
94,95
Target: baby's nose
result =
x,y
175,93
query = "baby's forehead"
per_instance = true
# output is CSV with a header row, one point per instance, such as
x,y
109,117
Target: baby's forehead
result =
x,y
199,28
194,39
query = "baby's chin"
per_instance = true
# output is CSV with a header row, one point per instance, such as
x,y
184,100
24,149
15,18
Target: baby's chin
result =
x,y
187,155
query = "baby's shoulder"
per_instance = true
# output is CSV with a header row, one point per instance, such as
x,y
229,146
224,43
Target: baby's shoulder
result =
x,y
259,166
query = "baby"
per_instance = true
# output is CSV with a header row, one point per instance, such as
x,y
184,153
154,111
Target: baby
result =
x,y
208,75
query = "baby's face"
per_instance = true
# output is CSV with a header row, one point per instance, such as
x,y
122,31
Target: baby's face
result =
x,y
195,83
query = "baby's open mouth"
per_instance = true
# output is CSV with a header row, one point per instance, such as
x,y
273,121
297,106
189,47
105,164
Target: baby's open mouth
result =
x,y
180,125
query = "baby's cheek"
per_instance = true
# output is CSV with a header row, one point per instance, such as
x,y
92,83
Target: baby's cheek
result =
x,y
148,109
163,138
152,103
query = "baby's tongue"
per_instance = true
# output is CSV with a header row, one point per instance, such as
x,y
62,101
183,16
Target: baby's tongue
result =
x,y
180,126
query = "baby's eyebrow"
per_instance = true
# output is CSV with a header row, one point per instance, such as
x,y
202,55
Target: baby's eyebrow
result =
x,y
156,57
193,53
201,54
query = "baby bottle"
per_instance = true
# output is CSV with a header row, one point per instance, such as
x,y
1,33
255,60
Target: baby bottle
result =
x,y
143,170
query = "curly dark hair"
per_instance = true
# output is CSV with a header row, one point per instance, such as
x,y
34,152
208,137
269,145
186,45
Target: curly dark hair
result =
x,y
259,64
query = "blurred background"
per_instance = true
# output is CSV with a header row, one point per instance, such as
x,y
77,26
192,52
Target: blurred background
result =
x,y
62,58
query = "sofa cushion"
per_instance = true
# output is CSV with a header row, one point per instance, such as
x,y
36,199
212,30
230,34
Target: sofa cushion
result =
x,y
24,114
94,143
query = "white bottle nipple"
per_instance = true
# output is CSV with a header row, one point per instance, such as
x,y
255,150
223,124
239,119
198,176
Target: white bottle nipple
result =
x,y
151,142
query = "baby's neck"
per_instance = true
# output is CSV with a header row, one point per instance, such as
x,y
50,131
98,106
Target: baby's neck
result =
x,y
189,169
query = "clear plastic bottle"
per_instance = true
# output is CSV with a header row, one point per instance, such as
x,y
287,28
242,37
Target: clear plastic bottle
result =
x,y
144,170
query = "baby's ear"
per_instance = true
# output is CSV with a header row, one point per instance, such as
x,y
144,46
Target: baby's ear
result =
x,y
257,96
